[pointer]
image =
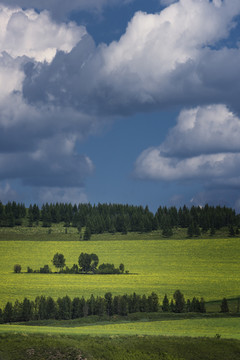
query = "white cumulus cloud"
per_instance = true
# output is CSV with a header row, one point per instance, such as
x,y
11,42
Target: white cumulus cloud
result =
x,y
204,130
203,145
27,33
154,45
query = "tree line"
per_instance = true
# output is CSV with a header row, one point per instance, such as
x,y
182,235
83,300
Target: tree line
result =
x,y
44,308
65,308
96,219
87,263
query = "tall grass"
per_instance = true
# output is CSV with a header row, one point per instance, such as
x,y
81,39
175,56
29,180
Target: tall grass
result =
x,y
29,346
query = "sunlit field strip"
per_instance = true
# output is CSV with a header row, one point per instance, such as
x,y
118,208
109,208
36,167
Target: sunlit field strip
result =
x,y
226,328
208,268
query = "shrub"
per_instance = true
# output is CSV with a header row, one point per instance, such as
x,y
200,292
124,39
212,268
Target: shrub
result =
x,y
17,268
107,269
45,270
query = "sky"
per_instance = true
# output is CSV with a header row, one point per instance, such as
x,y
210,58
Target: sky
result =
x,y
120,101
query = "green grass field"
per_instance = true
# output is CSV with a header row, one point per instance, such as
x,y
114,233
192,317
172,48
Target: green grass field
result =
x,y
39,347
205,327
57,232
202,268
206,268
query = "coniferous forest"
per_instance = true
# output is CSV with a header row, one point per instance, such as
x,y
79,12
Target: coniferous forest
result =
x,y
112,218
44,308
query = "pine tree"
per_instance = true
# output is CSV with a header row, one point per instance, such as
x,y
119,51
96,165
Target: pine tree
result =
x,y
165,304
172,306
64,308
87,234
190,230
153,302
224,306
179,301
122,305
51,308
212,231
202,306
197,230
8,313
17,311
40,308
76,305
144,304
188,306
167,231
91,305
109,303
27,310
231,231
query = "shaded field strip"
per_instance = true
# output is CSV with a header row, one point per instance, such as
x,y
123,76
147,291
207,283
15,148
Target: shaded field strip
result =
x,y
221,327
130,318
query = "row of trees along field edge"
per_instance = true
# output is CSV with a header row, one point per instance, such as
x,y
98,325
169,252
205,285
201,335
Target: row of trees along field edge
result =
x,y
112,218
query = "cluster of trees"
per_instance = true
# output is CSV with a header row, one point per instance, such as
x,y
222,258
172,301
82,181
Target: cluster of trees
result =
x,y
65,308
88,263
112,218
179,305
198,219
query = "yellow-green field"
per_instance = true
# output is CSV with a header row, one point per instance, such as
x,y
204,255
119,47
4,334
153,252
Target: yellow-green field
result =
x,y
225,327
208,268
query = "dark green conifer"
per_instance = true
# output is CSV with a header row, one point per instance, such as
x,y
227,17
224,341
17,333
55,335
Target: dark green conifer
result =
x,y
165,304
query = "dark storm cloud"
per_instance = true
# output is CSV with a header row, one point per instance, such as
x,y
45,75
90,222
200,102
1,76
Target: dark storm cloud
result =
x,y
50,165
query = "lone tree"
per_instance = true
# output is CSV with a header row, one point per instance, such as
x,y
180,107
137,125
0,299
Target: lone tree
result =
x,y
58,261
17,268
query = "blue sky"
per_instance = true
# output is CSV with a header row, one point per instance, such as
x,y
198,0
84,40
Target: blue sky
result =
x,y
120,101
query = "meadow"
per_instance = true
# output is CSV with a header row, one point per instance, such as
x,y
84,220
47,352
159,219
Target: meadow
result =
x,y
205,327
75,347
58,232
206,268
201,268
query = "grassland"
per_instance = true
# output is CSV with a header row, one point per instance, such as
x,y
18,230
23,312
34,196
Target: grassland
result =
x,y
38,347
197,327
201,268
206,268
57,232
